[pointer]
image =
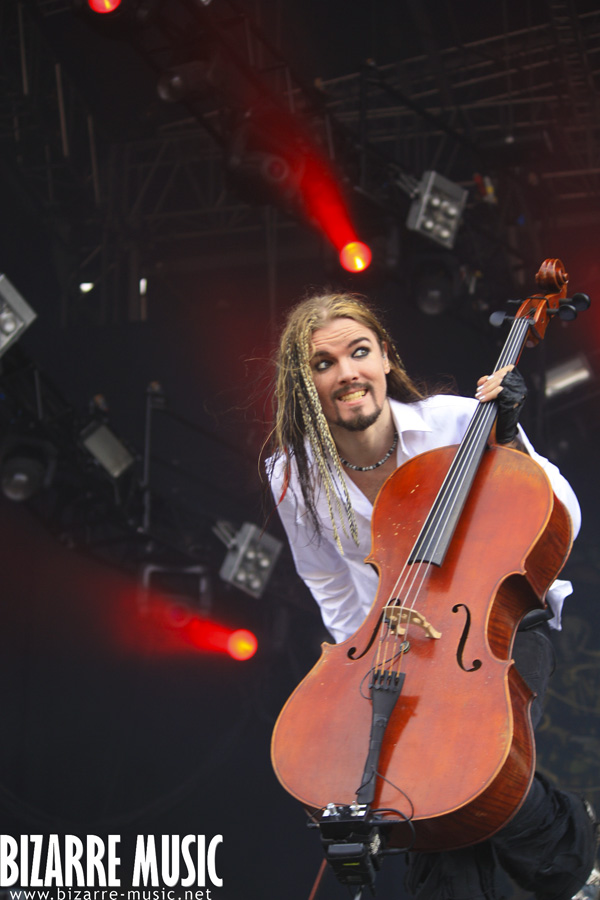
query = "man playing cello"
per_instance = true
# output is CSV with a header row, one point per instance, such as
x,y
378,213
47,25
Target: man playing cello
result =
x,y
347,415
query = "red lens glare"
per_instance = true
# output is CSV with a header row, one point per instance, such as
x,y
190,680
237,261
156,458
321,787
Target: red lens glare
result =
x,y
241,644
355,257
103,6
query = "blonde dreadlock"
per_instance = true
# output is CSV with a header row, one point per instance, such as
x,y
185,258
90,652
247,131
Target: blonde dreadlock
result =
x,y
298,413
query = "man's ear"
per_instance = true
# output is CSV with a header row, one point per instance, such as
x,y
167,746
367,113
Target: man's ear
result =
x,y
386,362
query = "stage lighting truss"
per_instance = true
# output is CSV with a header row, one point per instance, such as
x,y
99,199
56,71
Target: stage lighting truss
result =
x,y
437,209
15,314
251,558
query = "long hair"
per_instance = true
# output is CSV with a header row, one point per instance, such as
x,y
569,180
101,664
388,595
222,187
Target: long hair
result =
x,y
298,417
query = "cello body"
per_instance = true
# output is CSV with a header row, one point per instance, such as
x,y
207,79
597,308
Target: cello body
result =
x,y
458,754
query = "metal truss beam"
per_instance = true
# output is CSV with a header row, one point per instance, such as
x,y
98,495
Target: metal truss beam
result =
x,y
524,101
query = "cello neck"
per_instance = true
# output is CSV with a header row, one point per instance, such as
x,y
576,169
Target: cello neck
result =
x,y
435,536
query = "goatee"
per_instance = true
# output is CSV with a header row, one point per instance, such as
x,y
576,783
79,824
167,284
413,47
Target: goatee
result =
x,y
361,422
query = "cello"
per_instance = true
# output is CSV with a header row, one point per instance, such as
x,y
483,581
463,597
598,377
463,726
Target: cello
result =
x,y
419,723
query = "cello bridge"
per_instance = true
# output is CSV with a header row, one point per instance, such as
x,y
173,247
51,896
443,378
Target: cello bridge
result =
x,y
399,617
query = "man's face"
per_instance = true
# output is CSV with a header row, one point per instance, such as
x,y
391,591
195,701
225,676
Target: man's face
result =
x,y
349,369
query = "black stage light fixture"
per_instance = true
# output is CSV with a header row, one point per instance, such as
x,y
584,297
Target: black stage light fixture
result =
x,y
437,209
27,466
567,375
191,79
251,558
186,591
435,282
15,314
106,448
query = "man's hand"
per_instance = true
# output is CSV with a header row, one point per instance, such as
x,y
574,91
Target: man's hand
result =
x,y
509,389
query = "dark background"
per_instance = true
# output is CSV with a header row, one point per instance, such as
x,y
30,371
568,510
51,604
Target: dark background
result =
x,y
111,723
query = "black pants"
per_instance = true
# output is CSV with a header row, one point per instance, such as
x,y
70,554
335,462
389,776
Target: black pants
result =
x,y
549,846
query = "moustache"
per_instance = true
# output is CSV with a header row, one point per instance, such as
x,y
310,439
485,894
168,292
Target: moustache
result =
x,y
341,392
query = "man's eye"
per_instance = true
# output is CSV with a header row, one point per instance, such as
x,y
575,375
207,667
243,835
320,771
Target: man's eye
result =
x,y
322,365
361,351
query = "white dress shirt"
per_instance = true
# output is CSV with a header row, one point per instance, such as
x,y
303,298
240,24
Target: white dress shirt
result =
x,y
343,585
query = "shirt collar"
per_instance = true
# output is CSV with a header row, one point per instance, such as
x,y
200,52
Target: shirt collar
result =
x,y
407,417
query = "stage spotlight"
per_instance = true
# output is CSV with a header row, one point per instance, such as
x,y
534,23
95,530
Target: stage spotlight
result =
x,y
267,176
242,644
106,449
179,600
264,167
121,15
188,80
567,375
15,314
355,257
22,477
212,637
184,592
435,282
251,558
103,6
437,209
27,466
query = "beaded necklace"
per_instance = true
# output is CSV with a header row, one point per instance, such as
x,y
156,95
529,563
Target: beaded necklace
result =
x,y
376,465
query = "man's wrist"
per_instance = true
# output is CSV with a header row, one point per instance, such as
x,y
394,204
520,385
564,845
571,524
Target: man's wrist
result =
x,y
515,444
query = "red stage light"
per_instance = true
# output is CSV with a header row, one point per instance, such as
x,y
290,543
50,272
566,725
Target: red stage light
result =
x,y
206,635
241,644
103,6
173,629
355,256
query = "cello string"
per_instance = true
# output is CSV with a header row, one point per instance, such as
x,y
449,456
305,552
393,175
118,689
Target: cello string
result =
x,y
430,536
456,480
478,424
450,492
456,476
458,472
432,533
451,487
427,542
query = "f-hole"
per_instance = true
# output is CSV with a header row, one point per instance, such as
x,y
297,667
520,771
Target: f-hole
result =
x,y
463,640
352,650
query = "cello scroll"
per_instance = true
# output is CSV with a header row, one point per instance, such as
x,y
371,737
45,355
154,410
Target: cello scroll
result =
x,y
552,280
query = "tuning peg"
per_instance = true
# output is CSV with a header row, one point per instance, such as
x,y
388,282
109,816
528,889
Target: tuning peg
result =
x,y
499,317
581,302
567,312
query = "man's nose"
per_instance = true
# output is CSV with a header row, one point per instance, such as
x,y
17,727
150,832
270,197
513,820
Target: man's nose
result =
x,y
347,370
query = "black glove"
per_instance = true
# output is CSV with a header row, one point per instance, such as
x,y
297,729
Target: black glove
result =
x,y
510,402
